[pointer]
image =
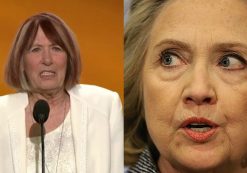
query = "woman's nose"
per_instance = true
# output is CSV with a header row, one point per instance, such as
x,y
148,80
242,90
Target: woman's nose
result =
x,y
47,57
199,89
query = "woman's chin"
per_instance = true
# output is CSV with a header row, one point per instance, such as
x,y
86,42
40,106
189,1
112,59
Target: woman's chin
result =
x,y
200,157
201,161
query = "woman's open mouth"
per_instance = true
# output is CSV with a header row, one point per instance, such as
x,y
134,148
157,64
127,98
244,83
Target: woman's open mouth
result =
x,y
47,74
199,129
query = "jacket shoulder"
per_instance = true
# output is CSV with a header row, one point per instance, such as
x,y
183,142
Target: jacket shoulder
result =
x,y
13,99
92,92
96,97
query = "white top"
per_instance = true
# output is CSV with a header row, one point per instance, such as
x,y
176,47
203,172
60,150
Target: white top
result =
x,y
97,128
59,150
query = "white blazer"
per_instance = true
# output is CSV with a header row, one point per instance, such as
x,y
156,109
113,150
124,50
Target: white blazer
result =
x,y
97,126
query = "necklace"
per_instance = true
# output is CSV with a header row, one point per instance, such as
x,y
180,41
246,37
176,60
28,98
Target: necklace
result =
x,y
59,139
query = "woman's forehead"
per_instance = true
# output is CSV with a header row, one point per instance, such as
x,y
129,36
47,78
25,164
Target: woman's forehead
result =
x,y
199,19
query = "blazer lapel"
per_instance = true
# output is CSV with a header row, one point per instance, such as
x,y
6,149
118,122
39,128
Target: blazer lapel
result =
x,y
79,128
17,128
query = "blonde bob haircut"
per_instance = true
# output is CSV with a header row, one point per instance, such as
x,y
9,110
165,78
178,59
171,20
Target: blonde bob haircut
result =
x,y
58,33
142,14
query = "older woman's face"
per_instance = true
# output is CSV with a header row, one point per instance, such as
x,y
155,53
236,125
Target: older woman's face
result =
x,y
45,64
195,84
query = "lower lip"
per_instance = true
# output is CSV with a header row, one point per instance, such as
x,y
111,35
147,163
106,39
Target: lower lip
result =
x,y
200,137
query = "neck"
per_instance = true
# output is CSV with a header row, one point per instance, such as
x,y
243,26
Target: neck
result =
x,y
59,106
52,98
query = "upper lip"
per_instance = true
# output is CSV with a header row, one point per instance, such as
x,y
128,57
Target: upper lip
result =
x,y
198,120
51,71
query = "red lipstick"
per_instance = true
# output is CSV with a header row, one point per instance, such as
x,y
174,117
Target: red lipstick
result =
x,y
199,129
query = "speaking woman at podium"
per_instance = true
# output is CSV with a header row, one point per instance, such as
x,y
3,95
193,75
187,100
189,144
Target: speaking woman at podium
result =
x,y
84,130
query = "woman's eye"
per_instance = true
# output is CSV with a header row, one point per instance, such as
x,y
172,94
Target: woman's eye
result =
x,y
57,48
232,62
170,59
35,49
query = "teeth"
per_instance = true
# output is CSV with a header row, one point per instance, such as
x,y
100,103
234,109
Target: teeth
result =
x,y
46,73
205,129
199,127
195,124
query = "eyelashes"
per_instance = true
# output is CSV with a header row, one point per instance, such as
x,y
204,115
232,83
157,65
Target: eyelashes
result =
x,y
230,61
170,59
54,48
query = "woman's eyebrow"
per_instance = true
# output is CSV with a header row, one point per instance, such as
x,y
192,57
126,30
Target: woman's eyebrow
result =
x,y
36,43
40,45
228,46
215,47
176,43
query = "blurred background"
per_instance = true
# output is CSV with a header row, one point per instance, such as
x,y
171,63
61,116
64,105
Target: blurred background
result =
x,y
98,26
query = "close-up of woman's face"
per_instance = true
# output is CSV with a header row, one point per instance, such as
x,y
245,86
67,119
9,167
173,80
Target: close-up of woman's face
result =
x,y
194,83
45,64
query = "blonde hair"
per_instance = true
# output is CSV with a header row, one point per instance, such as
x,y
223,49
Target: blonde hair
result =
x,y
140,20
56,31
